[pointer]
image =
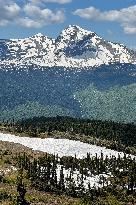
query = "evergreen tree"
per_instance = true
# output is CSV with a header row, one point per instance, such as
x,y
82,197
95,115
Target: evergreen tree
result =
x,y
61,181
21,190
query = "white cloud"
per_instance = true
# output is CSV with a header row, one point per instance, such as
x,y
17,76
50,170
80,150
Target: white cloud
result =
x,y
29,15
130,30
8,12
3,22
37,17
51,1
126,17
28,23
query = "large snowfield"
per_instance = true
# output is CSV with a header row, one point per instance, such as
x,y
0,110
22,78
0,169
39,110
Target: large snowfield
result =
x,y
62,147
65,147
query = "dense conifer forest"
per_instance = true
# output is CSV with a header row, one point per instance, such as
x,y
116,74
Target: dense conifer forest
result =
x,y
82,93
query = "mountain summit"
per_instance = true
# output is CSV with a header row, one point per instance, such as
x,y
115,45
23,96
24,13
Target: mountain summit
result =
x,y
74,47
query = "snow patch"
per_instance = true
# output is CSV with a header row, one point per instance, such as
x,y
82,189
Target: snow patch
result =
x,y
62,147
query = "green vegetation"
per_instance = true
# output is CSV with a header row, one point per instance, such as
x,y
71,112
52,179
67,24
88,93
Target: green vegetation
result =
x,y
31,109
40,170
39,174
116,104
44,171
9,172
106,93
117,136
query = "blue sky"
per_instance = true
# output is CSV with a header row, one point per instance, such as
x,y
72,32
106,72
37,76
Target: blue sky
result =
x,y
114,20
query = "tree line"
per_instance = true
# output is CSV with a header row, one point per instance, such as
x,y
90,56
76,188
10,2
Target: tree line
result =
x,y
119,136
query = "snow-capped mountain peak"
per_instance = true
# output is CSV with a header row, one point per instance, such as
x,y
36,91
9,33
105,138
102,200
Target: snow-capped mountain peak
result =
x,y
74,47
72,33
74,30
39,35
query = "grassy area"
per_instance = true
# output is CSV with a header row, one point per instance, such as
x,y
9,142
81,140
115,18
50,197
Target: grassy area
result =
x,y
9,173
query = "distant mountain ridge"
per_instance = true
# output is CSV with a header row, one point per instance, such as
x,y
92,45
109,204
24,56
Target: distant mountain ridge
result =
x,y
73,48
78,74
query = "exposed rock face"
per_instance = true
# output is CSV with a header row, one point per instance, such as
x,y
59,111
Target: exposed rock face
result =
x,y
74,47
